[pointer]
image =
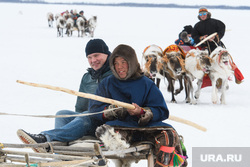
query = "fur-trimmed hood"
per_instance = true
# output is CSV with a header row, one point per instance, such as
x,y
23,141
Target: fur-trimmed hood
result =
x,y
128,53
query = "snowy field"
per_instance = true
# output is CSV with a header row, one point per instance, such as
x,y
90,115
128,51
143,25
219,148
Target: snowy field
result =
x,y
31,51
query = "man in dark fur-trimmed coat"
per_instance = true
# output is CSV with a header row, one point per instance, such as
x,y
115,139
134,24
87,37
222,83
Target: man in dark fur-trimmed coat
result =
x,y
207,26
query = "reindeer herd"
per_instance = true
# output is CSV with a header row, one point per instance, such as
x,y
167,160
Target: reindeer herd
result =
x,y
177,64
66,22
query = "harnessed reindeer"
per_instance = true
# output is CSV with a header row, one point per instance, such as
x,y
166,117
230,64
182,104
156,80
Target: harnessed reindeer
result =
x,y
197,64
220,73
69,26
173,67
152,55
80,23
50,18
60,24
91,25
173,70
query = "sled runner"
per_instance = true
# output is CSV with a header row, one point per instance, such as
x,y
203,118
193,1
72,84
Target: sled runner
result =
x,y
82,152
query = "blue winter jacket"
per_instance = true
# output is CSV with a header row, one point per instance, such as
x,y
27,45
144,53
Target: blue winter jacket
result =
x,y
141,91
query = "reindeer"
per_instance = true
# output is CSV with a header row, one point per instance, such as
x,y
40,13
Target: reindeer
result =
x,y
69,26
197,64
60,24
152,55
50,18
91,25
57,16
221,72
173,69
80,23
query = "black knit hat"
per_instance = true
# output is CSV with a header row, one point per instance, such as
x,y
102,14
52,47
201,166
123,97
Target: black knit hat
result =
x,y
96,46
188,29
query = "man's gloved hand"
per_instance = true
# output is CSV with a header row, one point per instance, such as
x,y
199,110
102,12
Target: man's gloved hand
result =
x,y
115,112
146,117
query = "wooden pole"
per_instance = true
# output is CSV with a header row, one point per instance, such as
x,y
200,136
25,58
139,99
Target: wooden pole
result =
x,y
107,100
81,94
207,38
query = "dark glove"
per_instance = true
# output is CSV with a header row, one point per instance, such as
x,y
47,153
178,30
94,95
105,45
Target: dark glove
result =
x,y
146,117
115,112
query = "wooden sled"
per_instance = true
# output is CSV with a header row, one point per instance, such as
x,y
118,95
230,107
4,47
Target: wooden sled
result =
x,y
84,152
87,151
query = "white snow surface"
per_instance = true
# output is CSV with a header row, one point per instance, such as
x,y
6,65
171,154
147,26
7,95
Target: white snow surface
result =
x,y
31,51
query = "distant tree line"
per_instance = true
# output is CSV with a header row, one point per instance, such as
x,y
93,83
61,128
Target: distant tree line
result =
x,y
133,4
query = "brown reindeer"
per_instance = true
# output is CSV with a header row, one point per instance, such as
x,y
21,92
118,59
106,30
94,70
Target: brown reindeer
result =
x,y
172,66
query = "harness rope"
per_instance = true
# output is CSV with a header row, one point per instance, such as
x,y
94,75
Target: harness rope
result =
x,y
56,116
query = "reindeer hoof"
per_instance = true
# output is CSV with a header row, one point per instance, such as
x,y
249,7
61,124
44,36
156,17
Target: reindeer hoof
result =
x,y
173,101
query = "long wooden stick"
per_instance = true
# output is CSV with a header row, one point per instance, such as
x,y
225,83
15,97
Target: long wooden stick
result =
x,y
107,100
81,94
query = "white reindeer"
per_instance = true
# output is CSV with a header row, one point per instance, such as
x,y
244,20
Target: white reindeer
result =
x,y
57,16
50,18
69,26
60,25
152,56
80,23
92,25
197,64
221,72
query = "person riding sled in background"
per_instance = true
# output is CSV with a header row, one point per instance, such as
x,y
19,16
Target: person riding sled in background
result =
x,y
81,13
75,16
185,37
207,26
72,128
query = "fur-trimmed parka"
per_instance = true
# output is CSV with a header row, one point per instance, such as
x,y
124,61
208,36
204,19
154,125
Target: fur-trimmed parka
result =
x,y
136,88
129,55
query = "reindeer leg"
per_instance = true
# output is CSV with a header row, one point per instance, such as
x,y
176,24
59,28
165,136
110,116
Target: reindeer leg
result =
x,y
198,91
158,80
181,86
193,101
223,91
187,89
172,91
214,91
